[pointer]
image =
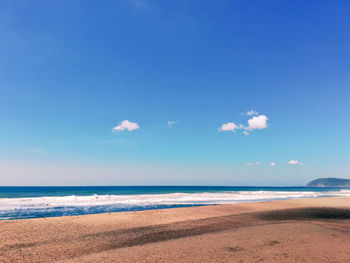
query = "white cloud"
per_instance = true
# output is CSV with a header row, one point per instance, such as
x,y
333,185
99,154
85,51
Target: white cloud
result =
x,y
252,163
252,112
230,126
272,164
295,162
257,122
171,123
126,125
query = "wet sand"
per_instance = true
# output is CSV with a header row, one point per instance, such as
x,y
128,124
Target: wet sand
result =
x,y
304,230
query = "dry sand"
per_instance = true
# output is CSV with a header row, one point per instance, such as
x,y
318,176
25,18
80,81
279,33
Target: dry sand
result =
x,y
304,230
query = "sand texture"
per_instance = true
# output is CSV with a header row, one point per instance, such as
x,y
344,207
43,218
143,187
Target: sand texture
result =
x,y
304,230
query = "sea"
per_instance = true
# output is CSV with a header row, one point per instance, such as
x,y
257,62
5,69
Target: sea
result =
x,y
39,201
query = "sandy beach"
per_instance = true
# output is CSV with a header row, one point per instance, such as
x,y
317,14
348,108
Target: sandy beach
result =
x,y
302,230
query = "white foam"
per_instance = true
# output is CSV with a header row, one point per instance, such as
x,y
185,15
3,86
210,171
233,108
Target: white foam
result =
x,y
42,203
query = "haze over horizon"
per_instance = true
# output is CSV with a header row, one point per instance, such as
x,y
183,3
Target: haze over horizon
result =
x,y
143,92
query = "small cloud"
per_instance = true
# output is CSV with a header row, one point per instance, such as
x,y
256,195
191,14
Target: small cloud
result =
x,y
252,112
272,164
126,125
257,123
295,162
171,123
230,126
254,123
252,163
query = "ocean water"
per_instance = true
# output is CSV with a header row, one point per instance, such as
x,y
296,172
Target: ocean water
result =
x,y
35,202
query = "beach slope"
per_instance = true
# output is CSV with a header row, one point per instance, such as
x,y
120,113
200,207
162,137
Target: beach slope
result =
x,y
303,230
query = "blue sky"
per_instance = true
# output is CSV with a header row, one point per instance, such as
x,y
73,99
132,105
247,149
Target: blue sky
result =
x,y
71,71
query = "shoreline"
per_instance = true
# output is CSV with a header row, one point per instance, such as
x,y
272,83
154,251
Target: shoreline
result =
x,y
73,204
161,235
250,204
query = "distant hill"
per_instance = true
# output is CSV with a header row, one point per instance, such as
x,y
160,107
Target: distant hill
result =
x,y
329,182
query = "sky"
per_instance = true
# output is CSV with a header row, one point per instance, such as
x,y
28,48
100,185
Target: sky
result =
x,y
145,92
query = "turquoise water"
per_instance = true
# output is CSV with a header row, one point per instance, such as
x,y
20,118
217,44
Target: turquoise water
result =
x,y
35,202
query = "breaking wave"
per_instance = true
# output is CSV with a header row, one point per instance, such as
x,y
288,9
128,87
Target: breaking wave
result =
x,y
17,208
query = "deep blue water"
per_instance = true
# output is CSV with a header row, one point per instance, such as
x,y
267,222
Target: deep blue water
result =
x,y
40,191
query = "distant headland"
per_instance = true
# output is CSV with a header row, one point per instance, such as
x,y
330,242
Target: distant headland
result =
x,y
329,182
